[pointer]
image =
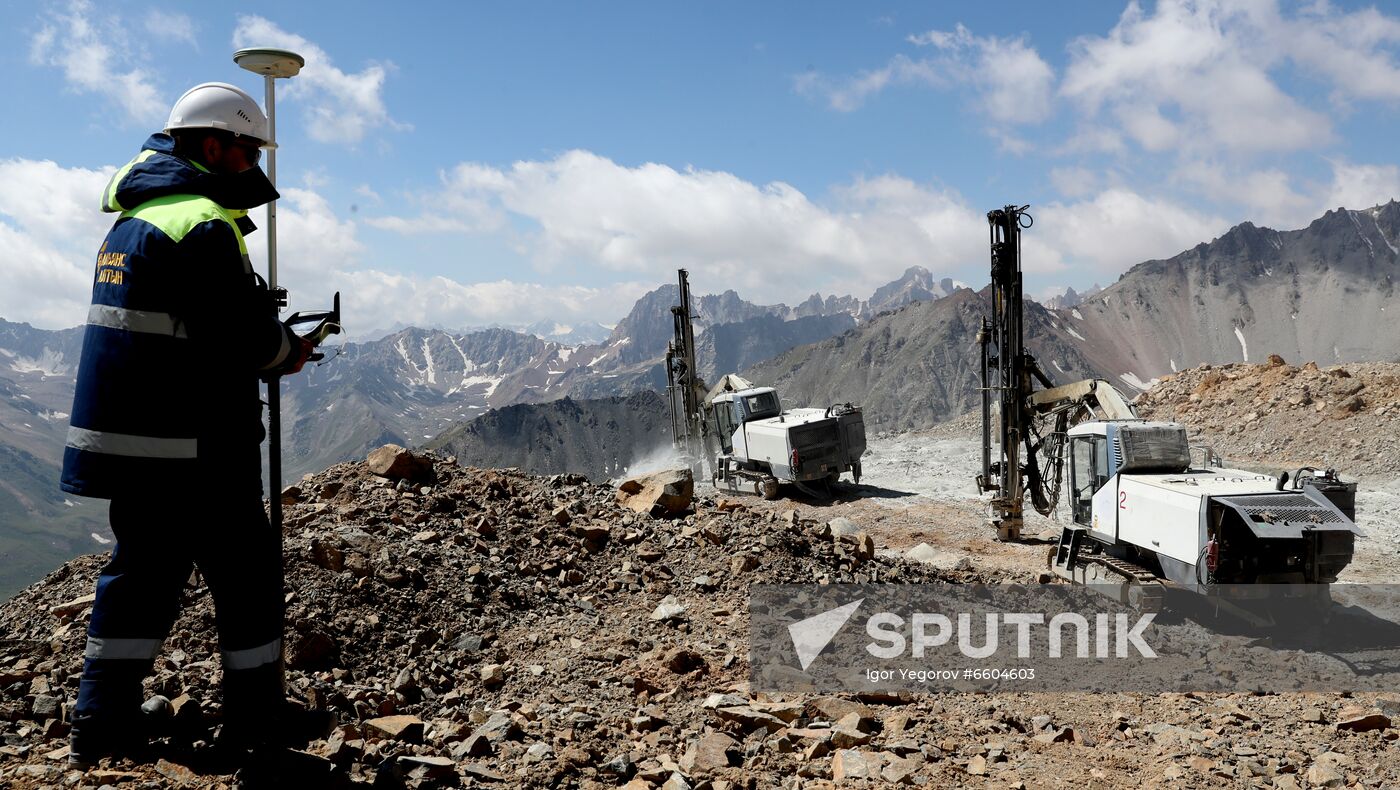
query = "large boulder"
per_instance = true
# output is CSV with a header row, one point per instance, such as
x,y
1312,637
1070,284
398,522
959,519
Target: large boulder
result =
x,y
659,493
398,463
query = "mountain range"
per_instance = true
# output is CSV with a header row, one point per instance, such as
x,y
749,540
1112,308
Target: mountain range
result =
x,y
907,355
1321,293
1325,293
416,383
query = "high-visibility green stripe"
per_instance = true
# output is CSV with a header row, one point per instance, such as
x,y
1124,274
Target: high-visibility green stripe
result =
x,y
109,195
177,215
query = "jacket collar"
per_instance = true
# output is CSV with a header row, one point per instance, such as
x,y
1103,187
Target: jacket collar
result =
x,y
157,172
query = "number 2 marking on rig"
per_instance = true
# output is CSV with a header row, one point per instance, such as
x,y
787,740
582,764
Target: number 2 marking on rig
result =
x,y
1122,500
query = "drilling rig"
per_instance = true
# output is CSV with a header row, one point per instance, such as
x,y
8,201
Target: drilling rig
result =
x,y
683,385
1143,514
743,432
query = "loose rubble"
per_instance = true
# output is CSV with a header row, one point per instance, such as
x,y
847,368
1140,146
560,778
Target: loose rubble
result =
x,y
474,627
1346,416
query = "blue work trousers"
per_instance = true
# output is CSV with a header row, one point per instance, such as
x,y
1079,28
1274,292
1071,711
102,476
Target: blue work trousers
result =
x,y
159,539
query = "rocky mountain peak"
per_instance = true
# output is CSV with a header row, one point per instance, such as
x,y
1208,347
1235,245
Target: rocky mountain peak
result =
x,y
914,285
1071,298
1247,241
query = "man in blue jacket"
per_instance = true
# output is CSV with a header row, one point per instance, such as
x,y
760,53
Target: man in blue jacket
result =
x,y
167,420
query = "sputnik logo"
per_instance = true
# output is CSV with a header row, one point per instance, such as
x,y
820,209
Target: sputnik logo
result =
x,y
812,635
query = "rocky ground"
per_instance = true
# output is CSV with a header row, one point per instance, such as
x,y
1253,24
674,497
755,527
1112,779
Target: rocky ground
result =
x,y
493,628
1282,416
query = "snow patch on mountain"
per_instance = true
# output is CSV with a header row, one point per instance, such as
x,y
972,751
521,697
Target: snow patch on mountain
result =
x,y
1374,214
491,382
48,363
1132,380
1359,232
430,372
467,365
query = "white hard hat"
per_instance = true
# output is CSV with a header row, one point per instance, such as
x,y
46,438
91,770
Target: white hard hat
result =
x,y
218,105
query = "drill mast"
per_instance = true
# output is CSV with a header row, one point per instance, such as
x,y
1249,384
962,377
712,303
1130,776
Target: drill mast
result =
x,y
683,385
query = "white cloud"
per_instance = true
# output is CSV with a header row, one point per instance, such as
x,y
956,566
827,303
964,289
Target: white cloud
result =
x,y
97,56
341,107
464,204
425,223
171,26
312,242
375,300
50,229
1010,143
1267,196
315,178
1014,83
1113,231
1011,82
1358,186
1073,182
1192,75
319,253
771,242
1355,50
1200,76
850,93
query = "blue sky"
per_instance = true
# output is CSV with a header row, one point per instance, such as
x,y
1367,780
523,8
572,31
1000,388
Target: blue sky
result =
x,y
467,164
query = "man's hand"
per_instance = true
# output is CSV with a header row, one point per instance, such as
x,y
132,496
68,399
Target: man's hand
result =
x,y
299,356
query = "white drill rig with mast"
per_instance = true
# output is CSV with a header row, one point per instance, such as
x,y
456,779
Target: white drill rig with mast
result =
x,y
1144,515
743,431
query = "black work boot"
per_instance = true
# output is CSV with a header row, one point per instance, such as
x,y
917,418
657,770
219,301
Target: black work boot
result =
x,y
268,767
91,740
280,725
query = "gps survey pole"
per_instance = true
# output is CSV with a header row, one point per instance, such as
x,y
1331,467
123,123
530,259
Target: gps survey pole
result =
x,y
271,64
